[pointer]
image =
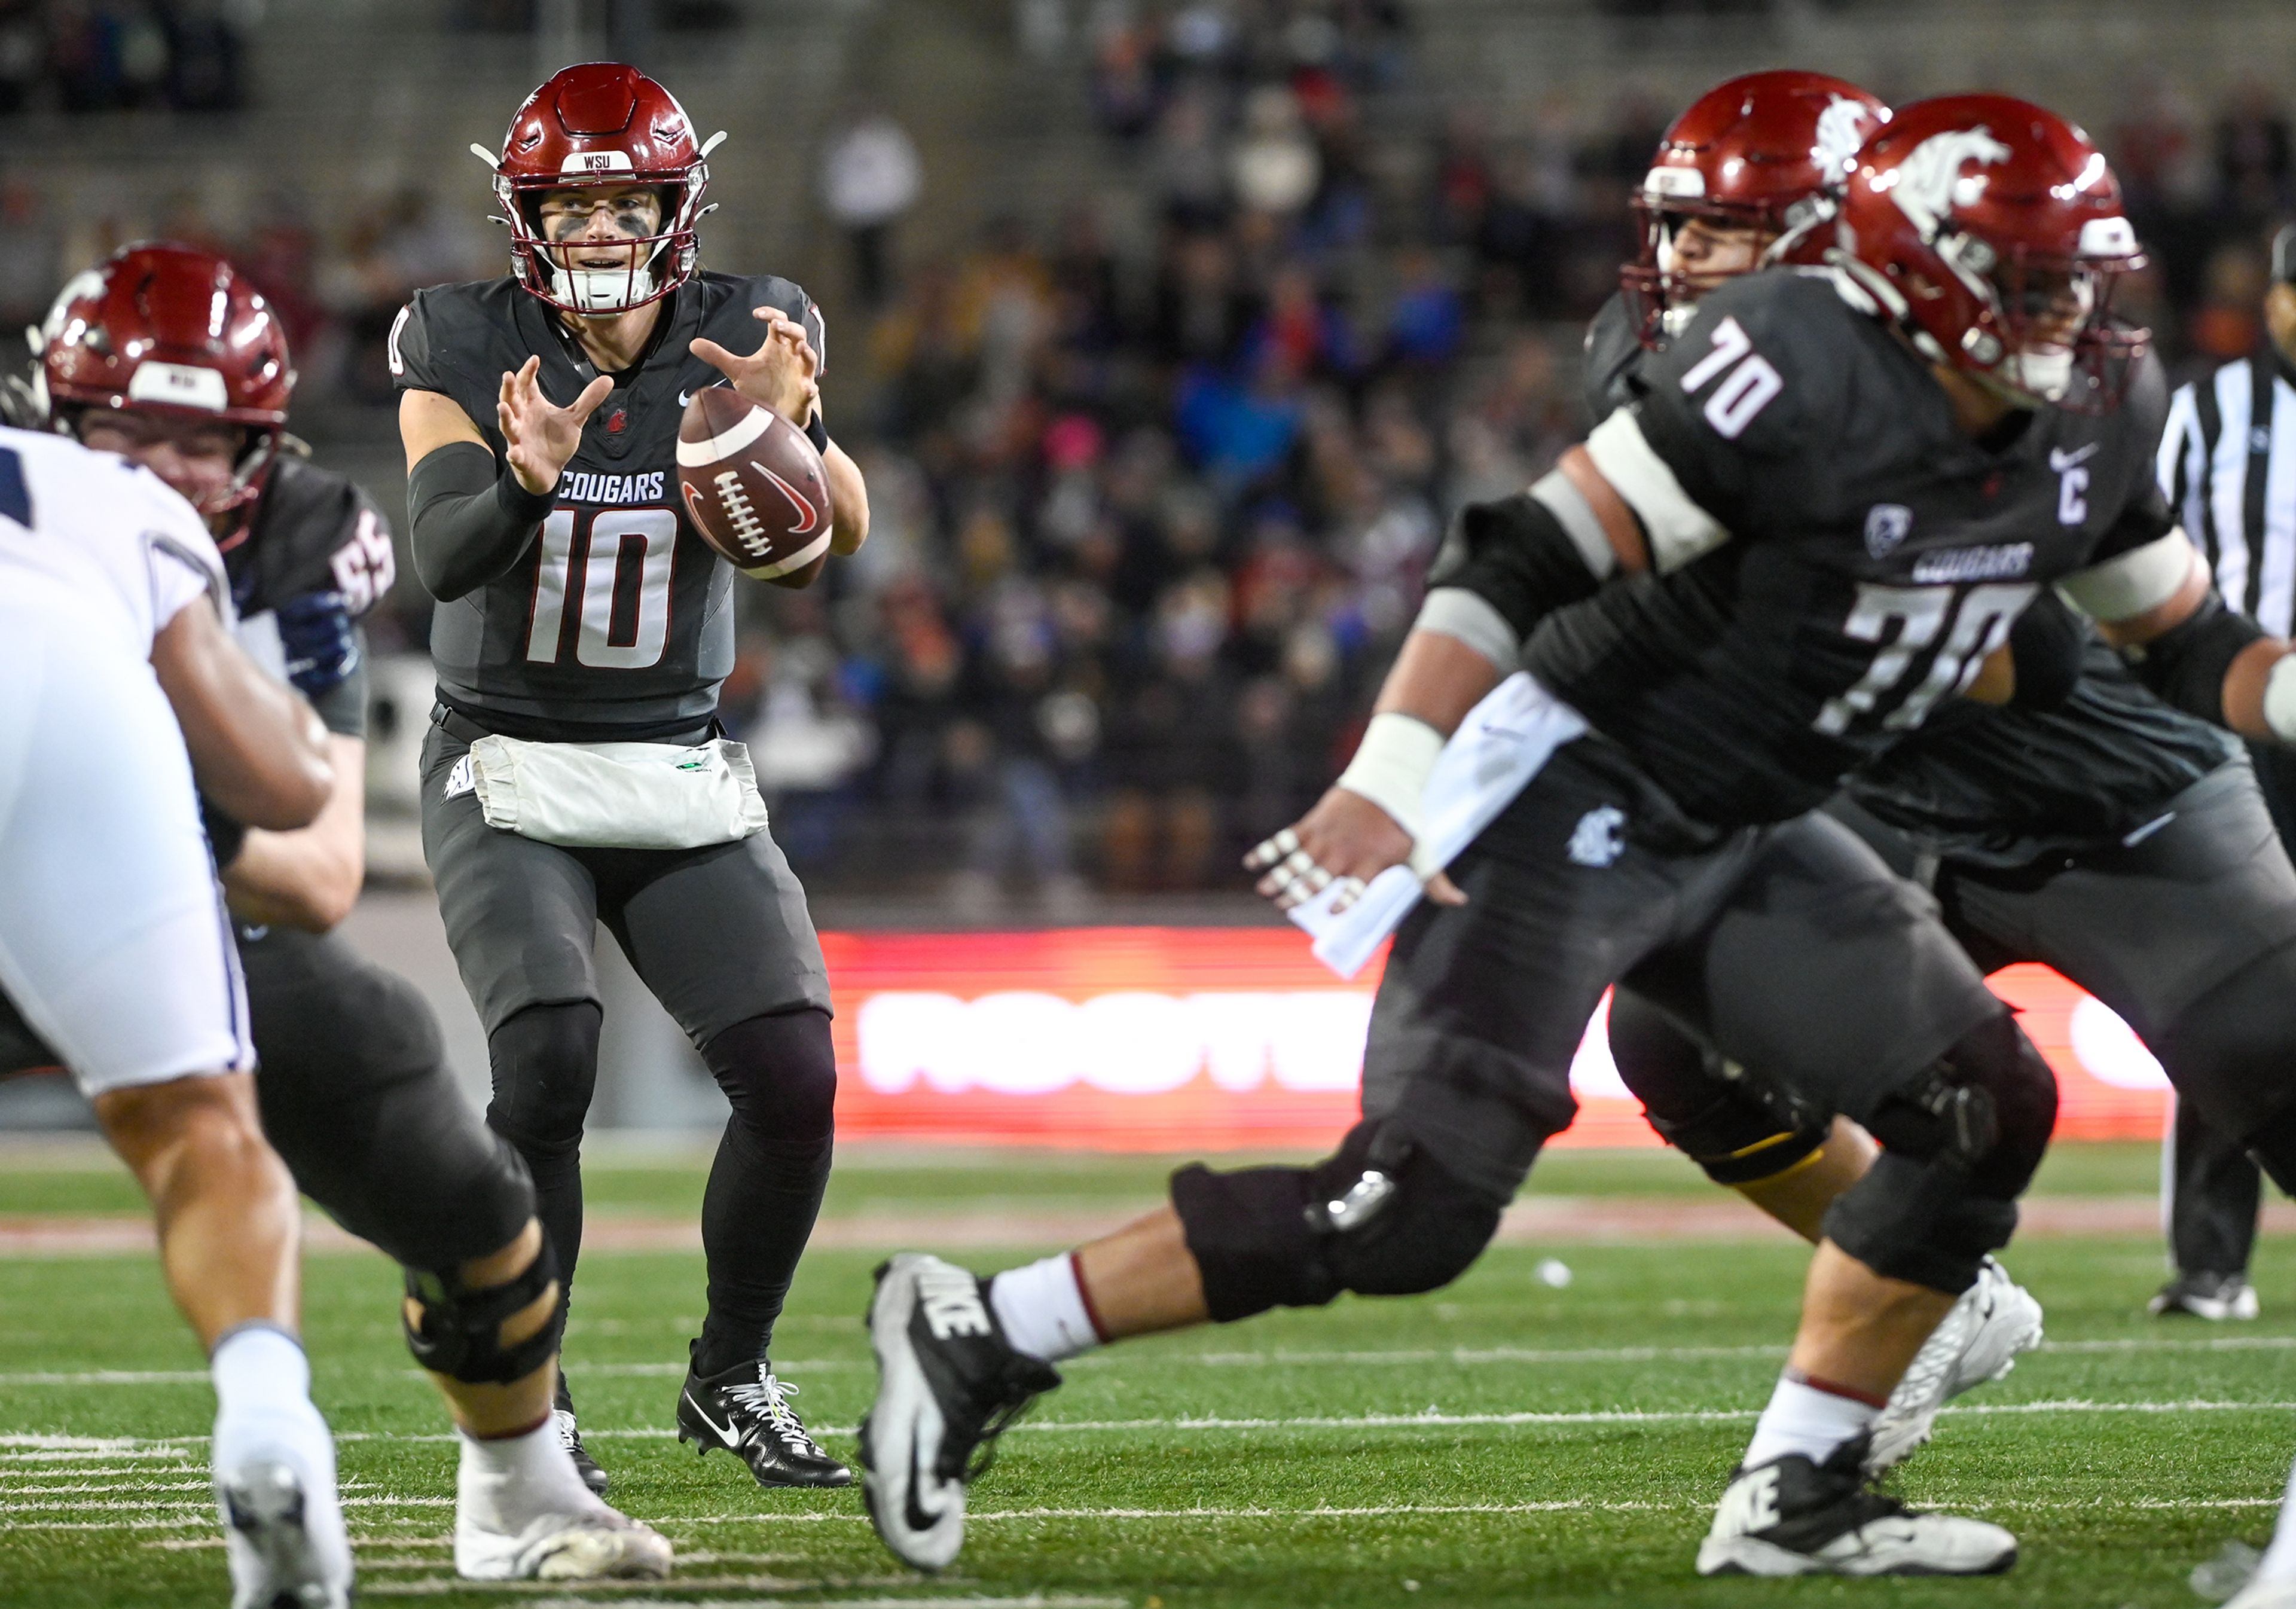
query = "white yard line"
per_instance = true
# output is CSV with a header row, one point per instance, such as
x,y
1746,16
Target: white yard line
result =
x,y
1195,1512
1461,1357
177,1446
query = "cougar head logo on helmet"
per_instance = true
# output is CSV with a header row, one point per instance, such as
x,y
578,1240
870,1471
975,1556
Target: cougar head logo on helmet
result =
x,y
1765,154
602,126
174,330
1991,233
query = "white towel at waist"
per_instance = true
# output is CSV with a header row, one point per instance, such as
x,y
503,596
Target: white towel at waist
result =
x,y
1494,754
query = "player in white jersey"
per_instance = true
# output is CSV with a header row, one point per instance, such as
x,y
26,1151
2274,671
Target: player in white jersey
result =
x,y
122,679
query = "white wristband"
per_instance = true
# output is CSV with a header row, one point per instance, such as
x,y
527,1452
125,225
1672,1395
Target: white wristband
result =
x,y
1390,768
2280,698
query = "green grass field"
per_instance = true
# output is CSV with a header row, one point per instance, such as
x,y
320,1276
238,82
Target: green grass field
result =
x,y
1499,1442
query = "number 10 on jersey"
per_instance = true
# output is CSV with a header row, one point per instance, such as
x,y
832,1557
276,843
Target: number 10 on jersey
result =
x,y
620,580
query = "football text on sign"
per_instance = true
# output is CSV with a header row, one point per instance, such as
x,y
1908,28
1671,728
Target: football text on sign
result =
x,y
1212,1039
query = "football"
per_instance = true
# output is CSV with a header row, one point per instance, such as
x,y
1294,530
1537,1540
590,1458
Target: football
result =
x,y
755,486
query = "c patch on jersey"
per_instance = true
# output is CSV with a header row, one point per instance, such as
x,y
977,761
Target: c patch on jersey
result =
x,y
1887,525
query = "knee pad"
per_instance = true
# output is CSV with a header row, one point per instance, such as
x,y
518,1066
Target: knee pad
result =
x,y
779,1073
1726,1128
1958,1147
1381,1218
545,1061
460,1333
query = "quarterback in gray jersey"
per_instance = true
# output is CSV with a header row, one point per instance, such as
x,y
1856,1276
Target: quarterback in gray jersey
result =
x,y
580,620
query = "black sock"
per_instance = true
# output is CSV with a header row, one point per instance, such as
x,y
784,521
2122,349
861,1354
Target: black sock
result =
x,y
765,1184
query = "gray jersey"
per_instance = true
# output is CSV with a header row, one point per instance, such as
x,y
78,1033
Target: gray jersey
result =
x,y
619,623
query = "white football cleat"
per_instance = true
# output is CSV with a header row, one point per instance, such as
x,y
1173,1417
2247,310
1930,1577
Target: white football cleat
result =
x,y
2261,1594
601,1544
283,1538
1977,1341
948,1383
1792,1516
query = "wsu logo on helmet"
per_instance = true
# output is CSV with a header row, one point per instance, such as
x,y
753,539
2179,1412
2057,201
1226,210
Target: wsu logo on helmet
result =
x,y
1931,183
1841,129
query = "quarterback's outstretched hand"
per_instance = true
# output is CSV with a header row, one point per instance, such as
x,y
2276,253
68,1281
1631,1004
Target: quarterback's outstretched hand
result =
x,y
1346,839
780,374
540,435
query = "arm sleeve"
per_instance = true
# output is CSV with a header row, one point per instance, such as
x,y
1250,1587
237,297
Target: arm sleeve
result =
x,y
2185,666
468,520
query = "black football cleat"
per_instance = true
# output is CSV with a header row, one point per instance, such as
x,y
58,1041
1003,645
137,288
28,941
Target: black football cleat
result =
x,y
1792,1516
570,1437
948,1385
746,1411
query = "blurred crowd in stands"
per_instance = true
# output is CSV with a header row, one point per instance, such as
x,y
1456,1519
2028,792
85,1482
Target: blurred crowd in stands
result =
x,y
1155,487
111,56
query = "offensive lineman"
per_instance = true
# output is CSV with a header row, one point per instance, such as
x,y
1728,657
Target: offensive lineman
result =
x,y
1750,175
2119,840
1837,494
578,611
112,949
164,354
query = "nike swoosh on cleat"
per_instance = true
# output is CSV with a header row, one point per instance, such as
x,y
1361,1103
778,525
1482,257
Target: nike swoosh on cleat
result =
x,y
915,1515
726,1436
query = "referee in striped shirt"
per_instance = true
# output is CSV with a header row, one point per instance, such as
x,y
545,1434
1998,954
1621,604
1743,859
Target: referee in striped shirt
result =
x,y
2228,464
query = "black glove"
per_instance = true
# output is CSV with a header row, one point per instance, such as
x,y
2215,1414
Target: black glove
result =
x,y
321,643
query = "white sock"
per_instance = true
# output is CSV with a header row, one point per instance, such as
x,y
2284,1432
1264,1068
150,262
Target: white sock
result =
x,y
2279,1561
1806,1419
505,1483
1044,1310
263,1403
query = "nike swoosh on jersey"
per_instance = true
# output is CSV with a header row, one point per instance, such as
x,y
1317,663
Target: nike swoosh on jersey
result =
x,y
685,397
2059,460
731,1439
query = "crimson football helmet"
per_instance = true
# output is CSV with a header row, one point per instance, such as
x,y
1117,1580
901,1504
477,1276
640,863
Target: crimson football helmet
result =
x,y
1992,232
1768,152
174,330
598,125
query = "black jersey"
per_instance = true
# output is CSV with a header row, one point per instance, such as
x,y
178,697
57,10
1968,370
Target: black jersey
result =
x,y
1611,366
2000,786
620,622
311,532
1834,558
2003,787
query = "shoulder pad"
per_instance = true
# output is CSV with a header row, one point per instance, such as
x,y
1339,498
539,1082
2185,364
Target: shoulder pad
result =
x,y
1762,359
784,295
316,531
2145,407
447,331
1614,354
